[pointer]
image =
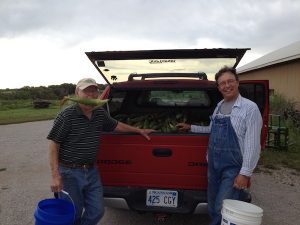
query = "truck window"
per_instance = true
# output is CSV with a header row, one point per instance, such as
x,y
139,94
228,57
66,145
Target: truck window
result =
x,y
176,98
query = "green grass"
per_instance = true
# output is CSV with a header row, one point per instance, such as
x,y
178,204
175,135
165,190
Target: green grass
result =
x,y
22,111
27,115
15,104
274,159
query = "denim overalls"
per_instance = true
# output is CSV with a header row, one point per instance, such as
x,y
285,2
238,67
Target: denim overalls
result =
x,y
224,164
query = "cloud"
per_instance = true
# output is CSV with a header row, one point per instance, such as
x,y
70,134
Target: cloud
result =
x,y
233,22
69,28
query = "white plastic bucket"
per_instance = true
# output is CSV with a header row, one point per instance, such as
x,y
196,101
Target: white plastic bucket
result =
x,y
236,212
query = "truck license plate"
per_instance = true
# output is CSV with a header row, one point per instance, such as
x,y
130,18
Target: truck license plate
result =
x,y
162,198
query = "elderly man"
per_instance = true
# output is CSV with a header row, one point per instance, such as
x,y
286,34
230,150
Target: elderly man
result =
x,y
73,146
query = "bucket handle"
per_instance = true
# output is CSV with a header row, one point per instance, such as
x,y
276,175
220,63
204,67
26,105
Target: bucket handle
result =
x,y
66,193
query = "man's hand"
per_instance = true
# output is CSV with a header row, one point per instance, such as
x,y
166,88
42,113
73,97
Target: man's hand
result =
x,y
241,182
146,132
57,184
183,126
123,127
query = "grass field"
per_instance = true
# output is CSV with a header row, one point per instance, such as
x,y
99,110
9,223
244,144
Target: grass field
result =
x,y
271,159
274,158
27,115
22,111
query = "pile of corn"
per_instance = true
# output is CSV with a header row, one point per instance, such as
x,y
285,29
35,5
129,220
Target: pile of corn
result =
x,y
164,122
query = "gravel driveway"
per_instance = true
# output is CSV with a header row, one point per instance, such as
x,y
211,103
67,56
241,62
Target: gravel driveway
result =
x,y
24,181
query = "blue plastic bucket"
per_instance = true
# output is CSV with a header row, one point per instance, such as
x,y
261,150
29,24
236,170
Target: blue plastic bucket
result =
x,y
54,212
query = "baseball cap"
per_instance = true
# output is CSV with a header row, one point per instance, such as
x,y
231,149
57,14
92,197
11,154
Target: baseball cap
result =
x,y
86,82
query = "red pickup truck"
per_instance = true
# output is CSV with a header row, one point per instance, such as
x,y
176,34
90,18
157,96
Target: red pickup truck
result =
x,y
157,89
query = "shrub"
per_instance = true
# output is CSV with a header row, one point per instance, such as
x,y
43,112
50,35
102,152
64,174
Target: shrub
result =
x,y
286,109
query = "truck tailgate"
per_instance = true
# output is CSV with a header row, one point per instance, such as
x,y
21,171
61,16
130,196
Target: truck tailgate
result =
x,y
166,161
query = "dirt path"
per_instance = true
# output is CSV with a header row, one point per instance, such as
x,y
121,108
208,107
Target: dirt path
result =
x,y
277,192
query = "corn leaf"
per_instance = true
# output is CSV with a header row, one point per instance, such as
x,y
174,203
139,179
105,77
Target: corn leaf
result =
x,y
85,101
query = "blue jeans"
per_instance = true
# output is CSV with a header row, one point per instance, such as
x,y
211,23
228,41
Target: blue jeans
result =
x,y
85,188
220,188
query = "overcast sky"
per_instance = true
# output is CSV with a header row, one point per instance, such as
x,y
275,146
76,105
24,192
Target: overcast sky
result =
x,y
42,42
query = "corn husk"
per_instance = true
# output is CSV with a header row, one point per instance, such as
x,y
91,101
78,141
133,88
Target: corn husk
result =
x,y
85,101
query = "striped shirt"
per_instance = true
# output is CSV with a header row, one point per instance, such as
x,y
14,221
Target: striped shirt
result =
x,y
79,137
247,122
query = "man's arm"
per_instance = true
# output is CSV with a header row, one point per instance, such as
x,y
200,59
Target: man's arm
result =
x,y
122,127
252,148
57,184
193,128
251,142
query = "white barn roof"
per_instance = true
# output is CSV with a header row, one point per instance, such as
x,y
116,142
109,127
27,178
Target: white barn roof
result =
x,y
284,54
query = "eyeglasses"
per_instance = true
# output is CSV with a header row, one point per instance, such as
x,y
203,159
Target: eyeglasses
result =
x,y
227,82
90,91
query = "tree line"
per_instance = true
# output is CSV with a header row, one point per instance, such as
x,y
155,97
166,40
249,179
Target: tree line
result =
x,y
52,92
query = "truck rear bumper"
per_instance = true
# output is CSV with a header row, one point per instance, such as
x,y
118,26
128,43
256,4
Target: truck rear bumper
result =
x,y
189,201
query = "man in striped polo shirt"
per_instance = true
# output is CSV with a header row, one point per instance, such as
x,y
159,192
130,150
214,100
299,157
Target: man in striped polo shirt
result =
x,y
234,143
74,143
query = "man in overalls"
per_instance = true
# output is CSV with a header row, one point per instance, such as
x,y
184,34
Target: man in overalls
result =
x,y
234,143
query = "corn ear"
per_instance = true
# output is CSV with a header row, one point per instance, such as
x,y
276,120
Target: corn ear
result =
x,y
85,101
